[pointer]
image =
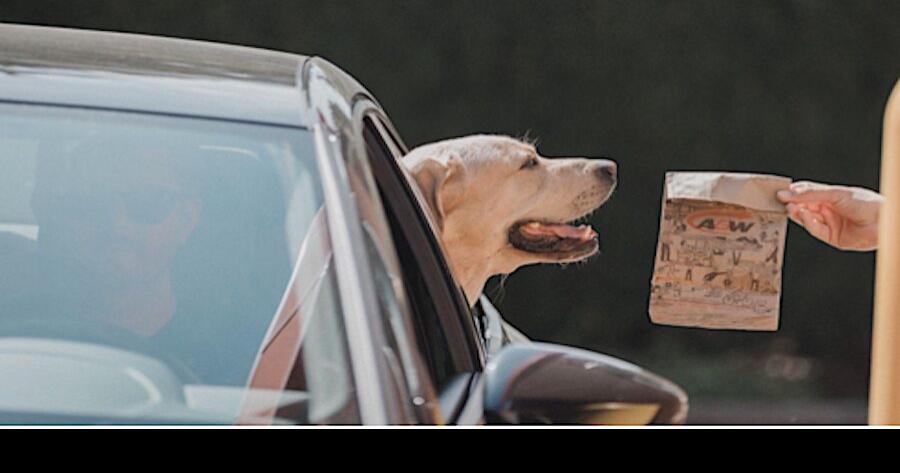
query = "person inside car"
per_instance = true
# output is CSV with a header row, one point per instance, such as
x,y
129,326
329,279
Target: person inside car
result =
x,y
142,245
112,216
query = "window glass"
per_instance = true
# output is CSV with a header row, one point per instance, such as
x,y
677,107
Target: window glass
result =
x,y
143,265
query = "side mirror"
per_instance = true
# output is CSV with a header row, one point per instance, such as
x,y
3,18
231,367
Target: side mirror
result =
x,y
539,383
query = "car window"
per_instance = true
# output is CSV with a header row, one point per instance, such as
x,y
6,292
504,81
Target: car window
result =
x,y
144,261
400,352
441,316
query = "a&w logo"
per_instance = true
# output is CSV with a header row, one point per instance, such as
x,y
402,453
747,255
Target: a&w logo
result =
x,y
721,221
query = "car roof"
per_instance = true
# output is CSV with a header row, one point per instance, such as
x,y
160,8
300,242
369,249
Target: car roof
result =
x,y
148,73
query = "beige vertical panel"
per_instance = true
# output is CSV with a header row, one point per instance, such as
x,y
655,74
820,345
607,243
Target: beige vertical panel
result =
x,y
884,392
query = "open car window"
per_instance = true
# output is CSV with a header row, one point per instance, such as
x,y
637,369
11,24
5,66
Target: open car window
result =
x,y
442,319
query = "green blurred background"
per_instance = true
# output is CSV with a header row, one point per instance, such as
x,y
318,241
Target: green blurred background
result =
x,y
791,87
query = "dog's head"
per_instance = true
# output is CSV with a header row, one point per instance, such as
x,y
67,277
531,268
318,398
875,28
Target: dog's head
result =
x,y
501,205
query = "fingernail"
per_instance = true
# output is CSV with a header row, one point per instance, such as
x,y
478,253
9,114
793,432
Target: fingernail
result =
x,y
785,194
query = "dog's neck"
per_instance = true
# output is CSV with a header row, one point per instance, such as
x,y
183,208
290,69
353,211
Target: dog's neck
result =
x,y
471,264
469,272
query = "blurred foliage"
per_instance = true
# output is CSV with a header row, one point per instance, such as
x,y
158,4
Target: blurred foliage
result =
x,y
791,87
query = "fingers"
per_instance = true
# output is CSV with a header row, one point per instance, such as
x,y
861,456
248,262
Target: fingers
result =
x,y
814,223
794,213
812,193
831,220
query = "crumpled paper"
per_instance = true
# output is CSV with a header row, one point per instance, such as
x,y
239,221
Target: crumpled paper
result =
x,y
720,251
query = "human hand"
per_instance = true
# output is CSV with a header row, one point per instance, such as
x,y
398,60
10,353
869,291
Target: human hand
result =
x,y
844,217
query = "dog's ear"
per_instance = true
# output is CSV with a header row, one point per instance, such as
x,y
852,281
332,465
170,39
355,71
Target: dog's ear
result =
x,y
441,184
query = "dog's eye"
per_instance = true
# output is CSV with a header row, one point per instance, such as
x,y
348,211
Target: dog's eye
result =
x,y
531,163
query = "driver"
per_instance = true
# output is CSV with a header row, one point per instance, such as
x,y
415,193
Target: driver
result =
x,y
112,215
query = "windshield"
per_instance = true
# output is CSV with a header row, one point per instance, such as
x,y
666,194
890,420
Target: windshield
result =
x,y
144,262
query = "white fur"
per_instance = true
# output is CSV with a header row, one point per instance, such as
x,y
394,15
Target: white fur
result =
x,y
476,189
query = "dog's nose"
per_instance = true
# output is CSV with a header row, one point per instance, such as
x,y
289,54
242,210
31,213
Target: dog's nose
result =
x,y
607,170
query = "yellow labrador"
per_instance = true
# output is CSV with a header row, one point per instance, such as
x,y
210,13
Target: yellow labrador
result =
x,y
499,205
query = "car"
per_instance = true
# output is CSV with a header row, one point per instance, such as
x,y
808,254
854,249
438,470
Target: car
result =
x,y
200,233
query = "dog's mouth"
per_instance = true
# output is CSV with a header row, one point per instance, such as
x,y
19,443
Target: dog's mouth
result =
x,y
560,241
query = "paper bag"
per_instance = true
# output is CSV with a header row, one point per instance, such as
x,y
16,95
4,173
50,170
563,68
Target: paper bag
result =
x,y
720,249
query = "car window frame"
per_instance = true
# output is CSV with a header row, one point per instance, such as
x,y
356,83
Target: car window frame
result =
x,y
479,314
461,305
454,313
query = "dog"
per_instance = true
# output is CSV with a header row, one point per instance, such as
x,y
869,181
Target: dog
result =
x,y
499,205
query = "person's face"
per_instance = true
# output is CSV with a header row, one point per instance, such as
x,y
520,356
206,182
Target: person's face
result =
x,y
123,220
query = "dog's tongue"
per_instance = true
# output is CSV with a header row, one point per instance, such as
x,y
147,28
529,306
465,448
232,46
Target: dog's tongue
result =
x,y
583,232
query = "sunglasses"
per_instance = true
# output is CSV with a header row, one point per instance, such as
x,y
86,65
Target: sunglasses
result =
x,y
146,207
